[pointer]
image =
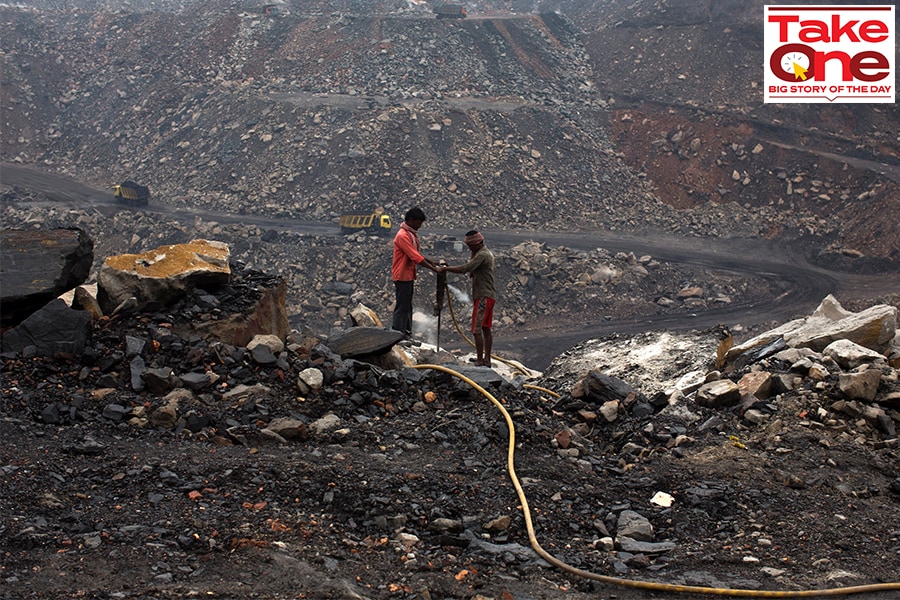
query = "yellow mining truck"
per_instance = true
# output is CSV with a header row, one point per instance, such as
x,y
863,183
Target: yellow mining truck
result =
x,y
450,11
132,194
374,222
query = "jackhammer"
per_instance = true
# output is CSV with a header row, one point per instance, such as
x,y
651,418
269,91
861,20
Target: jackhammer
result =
x,y
439,301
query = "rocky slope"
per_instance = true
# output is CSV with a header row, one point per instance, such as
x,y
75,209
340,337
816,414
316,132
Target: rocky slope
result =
x,y
626,114
163,463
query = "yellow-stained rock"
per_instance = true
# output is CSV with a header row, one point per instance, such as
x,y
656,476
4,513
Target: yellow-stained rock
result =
x,y
168,261
162,275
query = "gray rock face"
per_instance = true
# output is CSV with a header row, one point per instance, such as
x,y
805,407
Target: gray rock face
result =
x,y
850,355
600,387
633,525
873,328
37,266
364,341
668,360
54,328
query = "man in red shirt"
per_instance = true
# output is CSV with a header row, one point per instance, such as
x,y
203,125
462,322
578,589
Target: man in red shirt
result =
x,y
403,268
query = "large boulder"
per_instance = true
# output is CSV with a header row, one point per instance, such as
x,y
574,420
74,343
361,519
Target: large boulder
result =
x,y
873,328
54,328
39,265
363,341
161,276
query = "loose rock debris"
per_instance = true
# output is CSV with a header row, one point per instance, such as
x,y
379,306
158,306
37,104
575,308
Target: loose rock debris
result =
x,y
228,473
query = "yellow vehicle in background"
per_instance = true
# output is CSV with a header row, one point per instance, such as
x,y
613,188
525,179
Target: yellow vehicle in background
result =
x,y
132,194
450,11
374,222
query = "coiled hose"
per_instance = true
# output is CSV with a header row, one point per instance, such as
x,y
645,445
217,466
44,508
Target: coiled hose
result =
x,y
618,581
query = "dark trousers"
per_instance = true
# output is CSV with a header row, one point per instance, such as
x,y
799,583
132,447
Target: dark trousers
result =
x,y
402,319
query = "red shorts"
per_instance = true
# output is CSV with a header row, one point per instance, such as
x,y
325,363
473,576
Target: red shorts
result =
x,y
483,314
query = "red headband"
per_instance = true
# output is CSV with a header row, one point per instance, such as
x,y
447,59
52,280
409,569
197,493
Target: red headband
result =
x,y
474,238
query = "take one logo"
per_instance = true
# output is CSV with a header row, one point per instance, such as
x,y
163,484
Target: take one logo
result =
x,y
840,54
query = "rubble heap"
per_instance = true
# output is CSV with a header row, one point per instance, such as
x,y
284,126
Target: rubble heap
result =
x,y
194,463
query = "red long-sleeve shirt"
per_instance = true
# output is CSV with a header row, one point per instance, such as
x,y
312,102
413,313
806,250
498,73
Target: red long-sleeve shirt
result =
x,y
406,254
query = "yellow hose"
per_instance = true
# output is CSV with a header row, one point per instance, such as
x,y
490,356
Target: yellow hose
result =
x,y
647,585
509,363
531,386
